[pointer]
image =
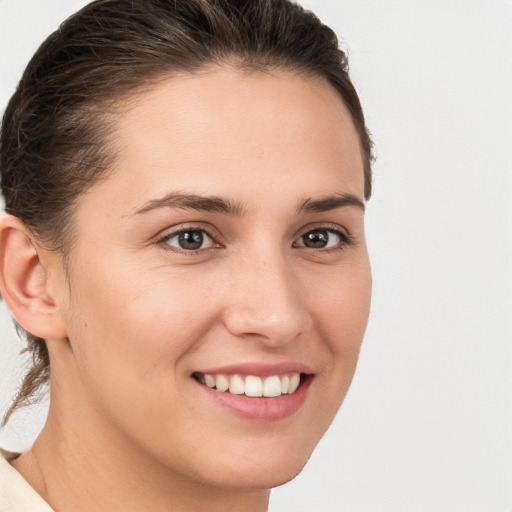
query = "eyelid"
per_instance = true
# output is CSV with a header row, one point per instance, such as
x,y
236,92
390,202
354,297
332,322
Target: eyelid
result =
x,y
323,225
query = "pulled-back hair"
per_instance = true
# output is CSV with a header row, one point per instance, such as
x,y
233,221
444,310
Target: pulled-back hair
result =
x,y
55,130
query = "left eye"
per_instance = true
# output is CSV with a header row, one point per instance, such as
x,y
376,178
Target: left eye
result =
x,y
190,240
320,239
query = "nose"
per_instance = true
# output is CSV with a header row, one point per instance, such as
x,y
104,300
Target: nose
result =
x,y
264,304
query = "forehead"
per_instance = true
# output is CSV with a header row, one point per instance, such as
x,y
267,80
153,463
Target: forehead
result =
x,y
225,128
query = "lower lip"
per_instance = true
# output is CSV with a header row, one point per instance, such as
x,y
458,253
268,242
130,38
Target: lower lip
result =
x,y
261,409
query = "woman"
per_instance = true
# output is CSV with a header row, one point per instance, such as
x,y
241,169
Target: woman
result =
x,y
184,247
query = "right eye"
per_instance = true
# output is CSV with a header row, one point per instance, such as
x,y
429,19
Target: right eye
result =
x,y
189,240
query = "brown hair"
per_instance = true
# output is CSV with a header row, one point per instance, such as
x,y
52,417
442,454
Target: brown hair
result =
x,y
54,130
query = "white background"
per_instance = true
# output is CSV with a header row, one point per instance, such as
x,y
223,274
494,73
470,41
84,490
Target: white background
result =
x,y
427,425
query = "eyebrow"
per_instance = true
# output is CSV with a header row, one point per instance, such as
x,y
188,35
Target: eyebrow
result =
x,y
326,204
194,202
217,204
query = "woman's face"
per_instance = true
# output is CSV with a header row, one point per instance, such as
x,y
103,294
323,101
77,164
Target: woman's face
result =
x,y
227,247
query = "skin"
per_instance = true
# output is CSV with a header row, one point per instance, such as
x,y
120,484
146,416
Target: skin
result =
x,y
133,316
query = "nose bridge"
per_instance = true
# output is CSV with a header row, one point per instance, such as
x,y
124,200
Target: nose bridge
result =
x,y
264,302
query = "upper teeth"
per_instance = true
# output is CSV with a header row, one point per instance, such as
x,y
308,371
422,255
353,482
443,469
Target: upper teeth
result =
x,y
251,385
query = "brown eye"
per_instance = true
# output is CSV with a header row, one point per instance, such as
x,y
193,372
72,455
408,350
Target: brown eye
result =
x,y
190,240
320,239
316,239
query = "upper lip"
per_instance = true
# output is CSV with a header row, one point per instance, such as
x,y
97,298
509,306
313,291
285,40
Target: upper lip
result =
x,y
259,369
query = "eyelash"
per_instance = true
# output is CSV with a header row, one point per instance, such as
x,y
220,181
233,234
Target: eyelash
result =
x,y
345,239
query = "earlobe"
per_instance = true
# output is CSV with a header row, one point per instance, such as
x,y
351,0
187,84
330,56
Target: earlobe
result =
x,y
24,281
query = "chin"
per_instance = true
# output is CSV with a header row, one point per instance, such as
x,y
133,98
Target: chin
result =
x,y
264,473
266,478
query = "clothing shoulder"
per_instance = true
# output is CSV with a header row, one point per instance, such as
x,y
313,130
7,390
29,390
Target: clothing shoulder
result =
x,y
16,495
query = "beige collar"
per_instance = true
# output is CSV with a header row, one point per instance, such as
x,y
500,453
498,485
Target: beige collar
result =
x,y
16,495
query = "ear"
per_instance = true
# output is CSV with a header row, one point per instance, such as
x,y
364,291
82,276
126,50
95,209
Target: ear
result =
x,y
24,281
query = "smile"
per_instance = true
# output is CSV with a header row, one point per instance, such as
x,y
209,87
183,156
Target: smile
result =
x,y
259,392
250,385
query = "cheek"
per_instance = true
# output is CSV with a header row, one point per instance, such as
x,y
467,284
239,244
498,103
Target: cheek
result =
x,y
133,326
142,323
129,338
341,317
342,307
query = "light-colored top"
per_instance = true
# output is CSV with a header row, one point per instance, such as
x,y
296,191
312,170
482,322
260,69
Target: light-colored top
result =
x,y
16,495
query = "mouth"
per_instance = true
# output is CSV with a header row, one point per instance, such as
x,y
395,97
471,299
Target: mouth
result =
x,y
254,386
257,392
